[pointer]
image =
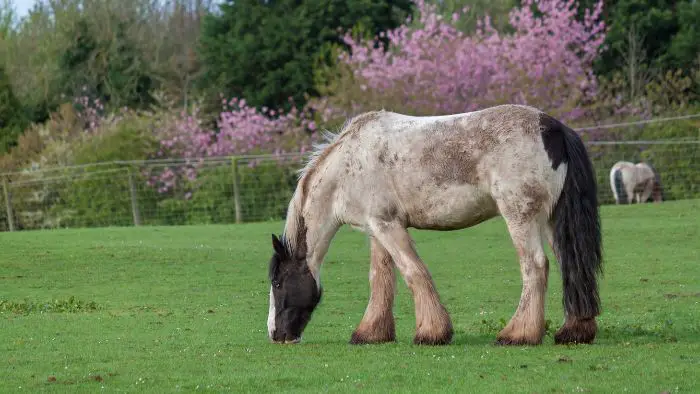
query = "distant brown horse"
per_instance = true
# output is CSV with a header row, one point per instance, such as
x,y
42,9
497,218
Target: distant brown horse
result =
x,y
386,172
635,182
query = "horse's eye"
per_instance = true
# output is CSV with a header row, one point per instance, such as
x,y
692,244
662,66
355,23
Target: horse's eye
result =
x,y
276,284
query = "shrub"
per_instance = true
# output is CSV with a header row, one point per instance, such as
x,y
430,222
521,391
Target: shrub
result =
x,y
101,194
49,195
264,192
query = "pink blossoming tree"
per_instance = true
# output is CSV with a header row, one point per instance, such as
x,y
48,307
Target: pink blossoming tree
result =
x,y
241,130
435,68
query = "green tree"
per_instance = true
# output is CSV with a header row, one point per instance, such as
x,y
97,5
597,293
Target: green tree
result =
x,y
264,50
662,33
175,63
12,118
123,50
653,23
7,18
109,67
73,62
685,45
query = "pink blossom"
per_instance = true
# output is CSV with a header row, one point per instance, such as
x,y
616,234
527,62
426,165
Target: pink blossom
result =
x,y
436,68
241,130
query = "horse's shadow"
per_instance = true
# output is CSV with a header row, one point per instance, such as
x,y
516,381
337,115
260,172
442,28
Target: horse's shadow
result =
x,y
612,335
616,335
627,335
468,338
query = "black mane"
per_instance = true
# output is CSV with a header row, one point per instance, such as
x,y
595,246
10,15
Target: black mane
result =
x,y
282,252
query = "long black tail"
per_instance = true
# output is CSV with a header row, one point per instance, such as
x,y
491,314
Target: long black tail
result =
x,y
620,187
577,231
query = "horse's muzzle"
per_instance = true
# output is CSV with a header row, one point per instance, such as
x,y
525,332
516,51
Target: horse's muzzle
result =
x,y
287,341
277,338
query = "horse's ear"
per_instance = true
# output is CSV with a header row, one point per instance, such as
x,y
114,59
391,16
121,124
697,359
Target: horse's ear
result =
x,y
278,247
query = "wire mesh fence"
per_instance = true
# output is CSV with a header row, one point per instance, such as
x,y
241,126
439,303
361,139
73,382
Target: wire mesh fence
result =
x,y
245,189
676,162
167,192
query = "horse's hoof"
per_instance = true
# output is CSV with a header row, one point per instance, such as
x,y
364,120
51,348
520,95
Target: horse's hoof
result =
x,y
358,338
505,341
431,340
576,331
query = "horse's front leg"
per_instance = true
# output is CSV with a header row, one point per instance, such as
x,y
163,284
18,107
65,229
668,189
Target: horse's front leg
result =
x,y
433,324
377,324
644,194
631,195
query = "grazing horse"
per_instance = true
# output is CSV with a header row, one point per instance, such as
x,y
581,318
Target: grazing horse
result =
x,y
635,182
385,172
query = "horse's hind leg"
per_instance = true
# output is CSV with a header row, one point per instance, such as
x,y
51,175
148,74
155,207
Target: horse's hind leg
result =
x,y
527,326
433,324
613,185
377,324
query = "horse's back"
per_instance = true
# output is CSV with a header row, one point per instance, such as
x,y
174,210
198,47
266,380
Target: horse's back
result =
x,y
448,172
501,119
622,165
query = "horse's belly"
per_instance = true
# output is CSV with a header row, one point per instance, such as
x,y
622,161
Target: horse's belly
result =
x,y
452,208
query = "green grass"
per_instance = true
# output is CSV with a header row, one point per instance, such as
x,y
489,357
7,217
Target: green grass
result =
x,y
184,308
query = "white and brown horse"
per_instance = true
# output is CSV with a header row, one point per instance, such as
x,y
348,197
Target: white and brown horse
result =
x,y
386,172
635,182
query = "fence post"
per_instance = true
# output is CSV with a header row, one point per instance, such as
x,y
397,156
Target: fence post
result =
x,y
134,200
8,204
236,192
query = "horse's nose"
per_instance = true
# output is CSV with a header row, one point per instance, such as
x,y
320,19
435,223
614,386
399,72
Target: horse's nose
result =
x,y
275,337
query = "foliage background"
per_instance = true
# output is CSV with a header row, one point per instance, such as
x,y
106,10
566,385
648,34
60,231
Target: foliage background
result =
x,y
93,81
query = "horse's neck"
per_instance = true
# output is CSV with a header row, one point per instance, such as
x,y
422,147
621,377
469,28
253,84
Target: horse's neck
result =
x,y
643,173
311,226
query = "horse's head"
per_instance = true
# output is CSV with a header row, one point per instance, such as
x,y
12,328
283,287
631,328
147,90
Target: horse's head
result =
x,y
657,192
294,294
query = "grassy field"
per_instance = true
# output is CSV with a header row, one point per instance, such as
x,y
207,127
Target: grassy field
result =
x,y
185,308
